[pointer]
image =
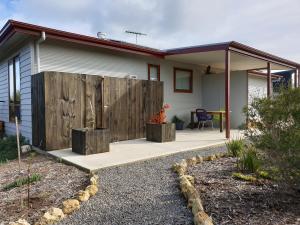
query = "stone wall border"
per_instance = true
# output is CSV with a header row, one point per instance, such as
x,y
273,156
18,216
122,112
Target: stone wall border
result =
x,y
187,186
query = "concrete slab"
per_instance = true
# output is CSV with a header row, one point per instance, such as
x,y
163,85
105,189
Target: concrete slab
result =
x,y
135,150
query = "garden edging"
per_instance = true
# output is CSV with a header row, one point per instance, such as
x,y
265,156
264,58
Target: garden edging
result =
x,y
187,186
69,206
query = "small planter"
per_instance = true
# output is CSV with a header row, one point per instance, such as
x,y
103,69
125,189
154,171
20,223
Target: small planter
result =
x,y
160,132
179,125
87,141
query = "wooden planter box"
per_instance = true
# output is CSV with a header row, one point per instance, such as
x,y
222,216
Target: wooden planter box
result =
x,y
2,130
87,141
160,132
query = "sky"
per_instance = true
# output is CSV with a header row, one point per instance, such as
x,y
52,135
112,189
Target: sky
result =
x,y
269,25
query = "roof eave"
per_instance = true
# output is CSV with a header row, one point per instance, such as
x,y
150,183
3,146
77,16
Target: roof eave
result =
x,y
77,38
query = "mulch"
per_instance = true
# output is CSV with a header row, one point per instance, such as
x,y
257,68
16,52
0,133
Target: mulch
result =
x,y
59,182
231,201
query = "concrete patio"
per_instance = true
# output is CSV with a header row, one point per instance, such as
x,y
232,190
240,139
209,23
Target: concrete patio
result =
x,y
136,150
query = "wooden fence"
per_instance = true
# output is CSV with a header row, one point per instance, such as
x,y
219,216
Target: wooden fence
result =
x,y
62,101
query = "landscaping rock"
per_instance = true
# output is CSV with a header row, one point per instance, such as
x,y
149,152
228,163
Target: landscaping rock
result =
x,y
25,148
199,159
190,178
19,222
197,206
211,158
70,205
92,189
192,161
201,218
83,196
53,215
94,180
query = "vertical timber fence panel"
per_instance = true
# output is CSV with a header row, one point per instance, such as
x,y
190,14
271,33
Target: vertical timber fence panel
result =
x,y
63,101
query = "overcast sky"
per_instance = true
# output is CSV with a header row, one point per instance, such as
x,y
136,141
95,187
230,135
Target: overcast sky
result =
x,y
270,25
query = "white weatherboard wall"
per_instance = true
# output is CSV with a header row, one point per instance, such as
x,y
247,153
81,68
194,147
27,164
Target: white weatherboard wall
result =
x,y
213,93
74,59
257,87
25,54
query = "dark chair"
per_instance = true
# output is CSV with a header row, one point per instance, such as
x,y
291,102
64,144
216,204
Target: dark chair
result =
x,y
203,117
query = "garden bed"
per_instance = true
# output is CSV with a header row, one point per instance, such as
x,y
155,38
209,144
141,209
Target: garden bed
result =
x,y
58,182
231,201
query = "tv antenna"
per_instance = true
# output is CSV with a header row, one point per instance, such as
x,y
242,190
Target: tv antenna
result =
x,y
136,34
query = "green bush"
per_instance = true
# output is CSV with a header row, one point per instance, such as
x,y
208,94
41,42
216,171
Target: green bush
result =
x,y
235,147
22,181
9,148
274,128
249,160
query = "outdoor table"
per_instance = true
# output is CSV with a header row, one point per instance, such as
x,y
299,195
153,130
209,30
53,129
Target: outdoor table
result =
x,y
218,112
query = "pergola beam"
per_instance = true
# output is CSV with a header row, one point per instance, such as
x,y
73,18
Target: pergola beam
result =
x,y
227,92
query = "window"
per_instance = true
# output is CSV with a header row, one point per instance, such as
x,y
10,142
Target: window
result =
x,y
183,80
153,72
14,88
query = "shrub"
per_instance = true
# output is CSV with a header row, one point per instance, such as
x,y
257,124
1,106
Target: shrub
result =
x,y
9,148
249,161
275,129
176,119
235,147
22,181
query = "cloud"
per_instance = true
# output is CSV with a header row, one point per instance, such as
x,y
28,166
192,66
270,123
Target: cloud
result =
x,y
271,25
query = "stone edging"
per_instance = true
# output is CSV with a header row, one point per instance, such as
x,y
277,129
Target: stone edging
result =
x,y
54,215
187,186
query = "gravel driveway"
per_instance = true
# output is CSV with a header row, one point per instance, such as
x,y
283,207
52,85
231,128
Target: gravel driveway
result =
x,y
139,193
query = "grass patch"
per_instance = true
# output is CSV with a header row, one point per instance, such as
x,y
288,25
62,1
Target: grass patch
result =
x,y
9,148
244,177
22,181
249,161
235,147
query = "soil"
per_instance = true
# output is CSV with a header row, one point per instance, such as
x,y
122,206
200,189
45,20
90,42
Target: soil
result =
x,y
59,182
231,201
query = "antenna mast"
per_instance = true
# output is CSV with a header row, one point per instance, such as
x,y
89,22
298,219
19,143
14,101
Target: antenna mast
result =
x,y
135,33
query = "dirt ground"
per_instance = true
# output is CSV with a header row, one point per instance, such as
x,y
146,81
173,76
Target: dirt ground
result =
x,y
236,202
59,182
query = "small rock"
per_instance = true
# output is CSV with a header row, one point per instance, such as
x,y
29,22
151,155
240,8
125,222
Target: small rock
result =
x,y
211,158
53,215
70,205
201,218
192,161
197,206
20,222
94,180
83,196
92,189
199,159
25,148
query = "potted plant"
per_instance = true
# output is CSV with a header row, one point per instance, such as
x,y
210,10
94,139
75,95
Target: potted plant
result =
x,y
158,130
179,123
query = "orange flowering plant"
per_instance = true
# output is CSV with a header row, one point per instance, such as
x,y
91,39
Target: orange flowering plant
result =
x,y
160,117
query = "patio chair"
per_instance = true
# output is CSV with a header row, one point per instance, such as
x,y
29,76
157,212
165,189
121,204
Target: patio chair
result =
x,y
203,117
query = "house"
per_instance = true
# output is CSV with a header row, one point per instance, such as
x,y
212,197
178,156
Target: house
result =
x,y
222,76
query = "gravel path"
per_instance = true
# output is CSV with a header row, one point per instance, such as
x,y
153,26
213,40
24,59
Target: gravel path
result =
x,y
139,193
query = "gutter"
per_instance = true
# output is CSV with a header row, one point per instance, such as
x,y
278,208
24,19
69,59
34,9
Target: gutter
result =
x,y
37,50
